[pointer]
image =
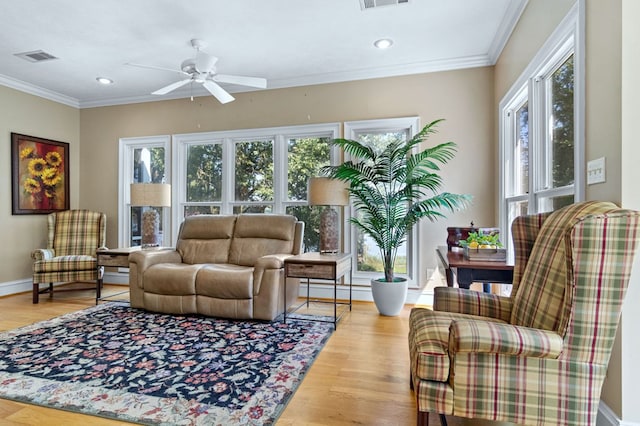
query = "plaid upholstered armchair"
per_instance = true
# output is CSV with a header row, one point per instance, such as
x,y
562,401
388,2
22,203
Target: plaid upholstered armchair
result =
x,y
539,356
72,240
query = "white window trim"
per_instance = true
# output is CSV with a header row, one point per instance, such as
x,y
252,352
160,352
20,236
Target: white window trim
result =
x,y
279,135
570,30
351,131
126,146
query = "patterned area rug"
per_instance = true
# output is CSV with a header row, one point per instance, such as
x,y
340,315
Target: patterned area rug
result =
x,y
114,361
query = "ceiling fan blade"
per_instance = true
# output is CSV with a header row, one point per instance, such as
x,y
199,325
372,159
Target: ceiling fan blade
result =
x,y
152,67
242,80
218,92
172,86
204,62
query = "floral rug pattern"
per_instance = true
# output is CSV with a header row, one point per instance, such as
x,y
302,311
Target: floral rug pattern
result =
x,y
114,361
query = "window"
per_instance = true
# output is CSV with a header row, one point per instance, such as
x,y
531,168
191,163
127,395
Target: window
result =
x,y
252,171
142,160
540,131
368,259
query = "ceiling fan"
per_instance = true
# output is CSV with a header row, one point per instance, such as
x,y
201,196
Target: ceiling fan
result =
x,y
202,70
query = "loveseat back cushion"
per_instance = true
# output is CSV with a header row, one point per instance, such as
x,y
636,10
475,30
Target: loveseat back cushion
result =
x,y
205,238
258,235
544,296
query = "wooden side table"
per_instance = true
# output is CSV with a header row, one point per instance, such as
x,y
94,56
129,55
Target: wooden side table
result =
x,y
118,257
469,271
322,267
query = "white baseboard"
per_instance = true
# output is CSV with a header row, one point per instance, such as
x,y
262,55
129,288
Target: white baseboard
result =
x,y
14,287
606,417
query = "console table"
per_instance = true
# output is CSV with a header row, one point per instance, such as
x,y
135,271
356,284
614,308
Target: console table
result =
x,y
323,267
469,271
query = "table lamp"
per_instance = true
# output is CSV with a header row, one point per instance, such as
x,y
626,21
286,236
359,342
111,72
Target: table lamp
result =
x,y
150,195
328,192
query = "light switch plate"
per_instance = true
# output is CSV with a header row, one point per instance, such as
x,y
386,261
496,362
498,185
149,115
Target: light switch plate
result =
x,y
596,171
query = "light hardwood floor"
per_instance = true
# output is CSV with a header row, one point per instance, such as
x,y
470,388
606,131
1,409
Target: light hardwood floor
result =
x,y
360,377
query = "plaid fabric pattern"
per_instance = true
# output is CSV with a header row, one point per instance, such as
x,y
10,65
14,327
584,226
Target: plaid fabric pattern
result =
x,y
73,238
524,230
546,302
547,366
485,336
429,342
526,390
452,299
75,232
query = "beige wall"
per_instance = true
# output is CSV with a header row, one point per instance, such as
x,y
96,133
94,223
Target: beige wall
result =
x,y
464,98
603,97
34,116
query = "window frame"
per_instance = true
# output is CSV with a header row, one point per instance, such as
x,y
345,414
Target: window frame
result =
x,y
228,139
531,87
126,148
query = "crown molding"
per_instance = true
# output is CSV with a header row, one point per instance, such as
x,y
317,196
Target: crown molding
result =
x,y
38,91
509,22
306,80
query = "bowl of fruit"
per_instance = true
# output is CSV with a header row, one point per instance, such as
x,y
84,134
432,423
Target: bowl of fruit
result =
x,y
484,245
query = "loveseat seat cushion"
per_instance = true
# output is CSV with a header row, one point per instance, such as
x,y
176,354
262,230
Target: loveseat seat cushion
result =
x,y
172,279
205,238
258,235
225,281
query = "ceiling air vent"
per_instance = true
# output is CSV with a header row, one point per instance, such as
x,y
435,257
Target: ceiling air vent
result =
x,y
35,56
370,4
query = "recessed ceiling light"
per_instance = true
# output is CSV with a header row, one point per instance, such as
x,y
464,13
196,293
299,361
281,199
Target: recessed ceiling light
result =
x,y
104,80
383,43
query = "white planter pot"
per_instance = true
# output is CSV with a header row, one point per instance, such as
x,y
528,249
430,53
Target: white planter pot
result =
x,y
389,297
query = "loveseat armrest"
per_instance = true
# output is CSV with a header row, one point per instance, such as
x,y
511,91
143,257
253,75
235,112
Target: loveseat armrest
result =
x,y
265,263
271,261
463,301
144,259
43,254
498,338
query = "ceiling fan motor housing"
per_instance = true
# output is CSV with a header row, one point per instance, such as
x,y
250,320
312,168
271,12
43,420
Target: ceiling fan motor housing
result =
x,y
188,66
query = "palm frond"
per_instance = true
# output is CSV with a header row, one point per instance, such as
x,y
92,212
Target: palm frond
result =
x,y
394,188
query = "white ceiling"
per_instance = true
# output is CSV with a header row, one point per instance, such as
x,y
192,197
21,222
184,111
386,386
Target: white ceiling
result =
x,y
288,42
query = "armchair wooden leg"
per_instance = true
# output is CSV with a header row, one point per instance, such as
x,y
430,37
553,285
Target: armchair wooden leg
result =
x,y
50,290
36,293
423,418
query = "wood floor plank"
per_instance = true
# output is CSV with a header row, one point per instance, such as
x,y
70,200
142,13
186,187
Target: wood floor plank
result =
x,y
359,378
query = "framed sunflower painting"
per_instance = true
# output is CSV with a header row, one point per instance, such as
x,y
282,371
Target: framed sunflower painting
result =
x,y
40,175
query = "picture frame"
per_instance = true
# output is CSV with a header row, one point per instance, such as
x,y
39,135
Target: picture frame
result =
x,y
39,175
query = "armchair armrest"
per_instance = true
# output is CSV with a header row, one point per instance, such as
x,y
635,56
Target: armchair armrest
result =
x,y
42,254
463,301
498,338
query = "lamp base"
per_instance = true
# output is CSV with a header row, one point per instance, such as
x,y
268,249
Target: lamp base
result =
x,y
329,238
151,236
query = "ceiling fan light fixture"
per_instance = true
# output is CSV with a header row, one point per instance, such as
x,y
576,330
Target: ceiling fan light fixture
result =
x,y
383,43
104,80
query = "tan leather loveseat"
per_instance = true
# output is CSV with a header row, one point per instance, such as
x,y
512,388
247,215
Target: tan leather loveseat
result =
x,y
223,266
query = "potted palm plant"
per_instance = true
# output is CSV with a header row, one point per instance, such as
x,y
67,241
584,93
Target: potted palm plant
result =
x,y
392,188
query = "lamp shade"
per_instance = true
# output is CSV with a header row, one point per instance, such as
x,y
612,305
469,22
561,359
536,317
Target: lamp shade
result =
x,y
324,191
151,194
